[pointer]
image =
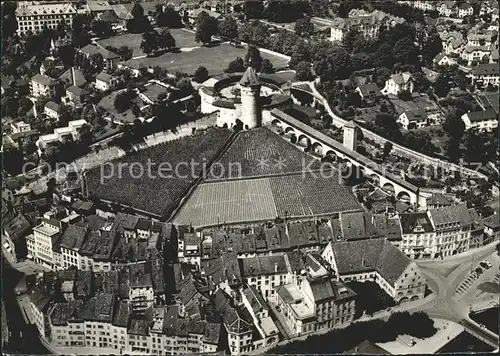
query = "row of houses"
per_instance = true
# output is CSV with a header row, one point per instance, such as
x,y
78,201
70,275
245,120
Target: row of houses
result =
x,y
261,240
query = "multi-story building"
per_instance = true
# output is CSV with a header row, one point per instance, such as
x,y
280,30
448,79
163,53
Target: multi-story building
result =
x,y
485,74
491,228
110,59
60,134
446,8
412,119
473,54
33,17
42,85
105,81
20,127
484,120
71,243
141,288
368,24
379,261
46,236
453,42
440,232
424,5
315,299
264,273
14,234
465,10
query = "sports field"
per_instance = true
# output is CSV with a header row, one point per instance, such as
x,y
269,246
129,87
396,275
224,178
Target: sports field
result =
x,y
228,202
264,199
260,152
183,39
215,59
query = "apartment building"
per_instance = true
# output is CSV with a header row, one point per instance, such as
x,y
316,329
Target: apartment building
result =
x,y
369,24
485,74
46,236
42,85
440,232
484,120
33,17
264,273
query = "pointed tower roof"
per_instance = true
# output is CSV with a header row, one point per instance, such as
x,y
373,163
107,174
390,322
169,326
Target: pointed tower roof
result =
x,y
249,78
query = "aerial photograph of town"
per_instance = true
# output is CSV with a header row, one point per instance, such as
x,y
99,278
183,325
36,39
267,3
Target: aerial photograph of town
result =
x,y
250,177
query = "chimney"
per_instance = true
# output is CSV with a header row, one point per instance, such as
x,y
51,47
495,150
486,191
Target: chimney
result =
x,y
362,262
275,267
73,79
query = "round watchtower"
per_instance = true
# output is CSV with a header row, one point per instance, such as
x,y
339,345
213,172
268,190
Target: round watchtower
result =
x,y
250,99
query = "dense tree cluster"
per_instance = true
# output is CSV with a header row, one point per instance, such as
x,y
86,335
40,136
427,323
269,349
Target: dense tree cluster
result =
x,y
154,41
228,29
168,18
123,100
206,27
277,10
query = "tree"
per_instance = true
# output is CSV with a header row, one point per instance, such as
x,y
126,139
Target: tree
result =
x,y
442,85
137,11
300,53
123,100
432,46
200,75
228,29
185,87
335,63
207,27
253,9
165,39
303,71
253,58
149,42
454,126
101,28
474,145
387,149
386,125
169,18
453,149
405,51
235,66
9,22
304,26
267,67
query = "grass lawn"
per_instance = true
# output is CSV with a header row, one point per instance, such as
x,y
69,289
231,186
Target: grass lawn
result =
x,y
183,39
215,59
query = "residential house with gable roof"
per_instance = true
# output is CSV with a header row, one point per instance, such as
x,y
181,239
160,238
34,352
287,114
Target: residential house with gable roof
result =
x,y
110,59
485,74
399,82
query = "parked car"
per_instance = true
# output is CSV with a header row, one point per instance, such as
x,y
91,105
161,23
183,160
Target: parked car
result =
x,y
485,264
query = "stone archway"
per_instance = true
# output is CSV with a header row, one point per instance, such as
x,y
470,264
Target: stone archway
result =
x,y
317,148
276,123
375,178
330,156
304,141
403,300
414,298
289,130
389,187
404,196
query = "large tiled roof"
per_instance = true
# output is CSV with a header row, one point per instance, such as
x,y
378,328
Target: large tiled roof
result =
x,y
450,216
121,314
236,321
43,79
255,299
91,49
45,9
486,69
409,221
62,312
74,236
370,255
483,115
262,265
17,227
493,221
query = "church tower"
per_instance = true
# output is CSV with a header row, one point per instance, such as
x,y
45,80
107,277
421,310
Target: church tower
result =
x,y
351,136
250,99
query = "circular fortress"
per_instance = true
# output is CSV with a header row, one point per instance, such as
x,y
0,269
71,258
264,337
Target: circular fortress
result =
x,y
243,96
